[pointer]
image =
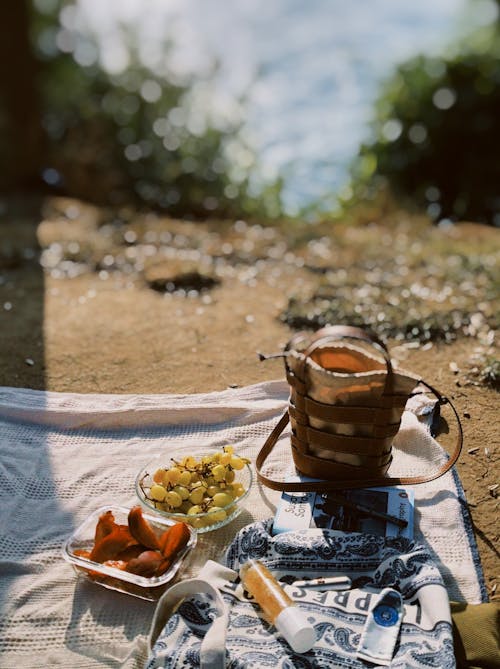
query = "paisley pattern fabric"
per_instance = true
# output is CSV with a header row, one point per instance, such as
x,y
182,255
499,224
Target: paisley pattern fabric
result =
x,y
373,563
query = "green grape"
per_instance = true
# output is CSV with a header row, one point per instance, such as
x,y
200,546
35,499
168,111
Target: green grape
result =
x,y
173,499
194,510
182,491
173,475
158,476
184,478
216,514
238,489
218,472
222,499
195,485
157,492
197,495
236,462
198,523
225,458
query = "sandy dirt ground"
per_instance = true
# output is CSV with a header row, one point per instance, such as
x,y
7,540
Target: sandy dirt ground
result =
x,y
68,329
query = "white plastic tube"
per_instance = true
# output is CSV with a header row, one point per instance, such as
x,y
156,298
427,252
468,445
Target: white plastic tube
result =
x,y
290,621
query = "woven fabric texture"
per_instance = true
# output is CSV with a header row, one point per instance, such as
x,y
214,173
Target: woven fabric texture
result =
x,y
64,455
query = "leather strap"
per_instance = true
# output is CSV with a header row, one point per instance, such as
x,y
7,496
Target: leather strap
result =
x,y
344,443
345,483
361,415
338,466
341,331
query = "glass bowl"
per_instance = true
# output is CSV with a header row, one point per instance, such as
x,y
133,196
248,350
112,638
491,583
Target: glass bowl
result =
x,y
149,588
203,521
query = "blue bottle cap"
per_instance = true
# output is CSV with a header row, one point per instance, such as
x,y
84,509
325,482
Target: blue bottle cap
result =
x,y
385,615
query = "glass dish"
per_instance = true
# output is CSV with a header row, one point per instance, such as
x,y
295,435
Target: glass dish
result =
x,y
201,522
149,588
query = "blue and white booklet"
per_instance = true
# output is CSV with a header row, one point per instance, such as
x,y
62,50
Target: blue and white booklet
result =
x,y
367,510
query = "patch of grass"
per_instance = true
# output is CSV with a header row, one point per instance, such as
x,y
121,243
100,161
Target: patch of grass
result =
x,y
426,288
486,372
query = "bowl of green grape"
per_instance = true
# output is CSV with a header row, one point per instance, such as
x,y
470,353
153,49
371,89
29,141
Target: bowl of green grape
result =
x,y
205,491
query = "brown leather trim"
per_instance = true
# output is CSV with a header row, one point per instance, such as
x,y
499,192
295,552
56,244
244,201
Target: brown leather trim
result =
x,y
369,459
378,431
347,444
298,401
296,415
296,383
310,465
345,414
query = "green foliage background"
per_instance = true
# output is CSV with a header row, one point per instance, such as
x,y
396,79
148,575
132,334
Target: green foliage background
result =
x,y
129,138
112,143
437,133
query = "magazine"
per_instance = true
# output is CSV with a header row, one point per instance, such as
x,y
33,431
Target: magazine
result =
x,y
385,511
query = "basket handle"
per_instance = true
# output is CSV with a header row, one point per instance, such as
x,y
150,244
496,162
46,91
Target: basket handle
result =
x,y
352,332
324,486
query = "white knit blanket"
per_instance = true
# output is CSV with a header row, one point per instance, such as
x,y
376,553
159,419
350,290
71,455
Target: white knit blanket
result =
x,y
64,455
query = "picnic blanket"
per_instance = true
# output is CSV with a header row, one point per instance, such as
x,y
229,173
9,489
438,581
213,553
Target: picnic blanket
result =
x,y
64,455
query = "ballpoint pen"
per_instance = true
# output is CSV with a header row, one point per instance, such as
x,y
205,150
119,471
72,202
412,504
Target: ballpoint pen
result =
x,y
325,583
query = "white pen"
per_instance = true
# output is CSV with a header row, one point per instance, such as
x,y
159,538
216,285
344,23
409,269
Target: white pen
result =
x,y
326,583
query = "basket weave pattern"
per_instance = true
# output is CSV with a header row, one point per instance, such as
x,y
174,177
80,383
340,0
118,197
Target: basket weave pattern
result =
x,y
345,404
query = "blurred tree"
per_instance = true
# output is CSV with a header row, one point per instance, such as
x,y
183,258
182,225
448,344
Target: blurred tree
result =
x,y
437,133
21,133
132,137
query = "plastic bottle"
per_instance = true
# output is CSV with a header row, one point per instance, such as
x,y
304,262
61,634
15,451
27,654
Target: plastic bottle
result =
x,y
279,608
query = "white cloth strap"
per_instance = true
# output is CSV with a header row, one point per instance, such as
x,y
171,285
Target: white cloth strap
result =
x,y
213,647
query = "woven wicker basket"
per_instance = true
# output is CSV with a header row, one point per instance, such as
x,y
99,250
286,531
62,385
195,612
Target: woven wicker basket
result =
x,y
345,404
345,409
